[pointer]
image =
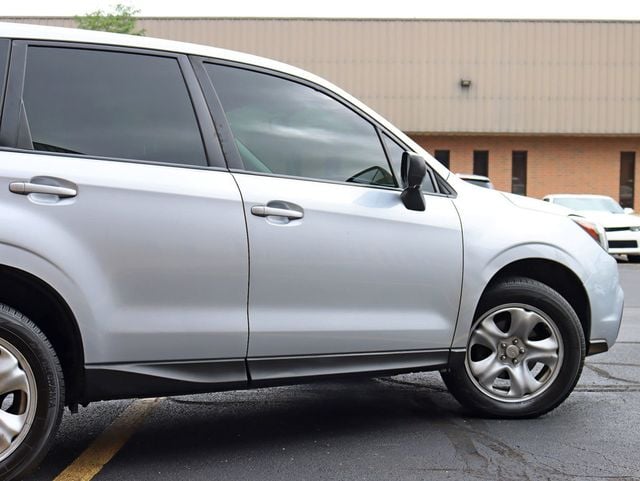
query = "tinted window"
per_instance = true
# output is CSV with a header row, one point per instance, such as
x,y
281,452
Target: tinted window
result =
x,y
110,104
395,154
4,63
283,127
481,162
627,178
443,157
519,172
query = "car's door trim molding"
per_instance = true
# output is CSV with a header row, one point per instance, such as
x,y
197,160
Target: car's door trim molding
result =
x,y
270,370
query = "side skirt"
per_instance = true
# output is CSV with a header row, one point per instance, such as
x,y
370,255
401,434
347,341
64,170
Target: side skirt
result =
x,y
151,379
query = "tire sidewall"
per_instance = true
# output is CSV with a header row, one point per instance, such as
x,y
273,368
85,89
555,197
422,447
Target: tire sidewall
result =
x,y
49,395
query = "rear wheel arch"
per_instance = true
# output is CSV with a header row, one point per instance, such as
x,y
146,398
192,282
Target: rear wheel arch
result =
x,y
553,274
47,309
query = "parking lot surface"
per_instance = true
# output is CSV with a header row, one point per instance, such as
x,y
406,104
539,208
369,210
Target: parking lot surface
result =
x,y
399,428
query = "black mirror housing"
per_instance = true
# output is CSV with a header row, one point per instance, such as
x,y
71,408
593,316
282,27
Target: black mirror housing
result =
x,y
413,170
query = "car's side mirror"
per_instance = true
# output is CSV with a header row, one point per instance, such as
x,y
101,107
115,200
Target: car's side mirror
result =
x,y
413,171
628,210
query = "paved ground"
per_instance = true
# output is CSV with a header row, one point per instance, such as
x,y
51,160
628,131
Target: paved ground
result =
x,y
400,428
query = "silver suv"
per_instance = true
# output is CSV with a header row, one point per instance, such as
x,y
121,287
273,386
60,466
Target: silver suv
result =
x,y
180,219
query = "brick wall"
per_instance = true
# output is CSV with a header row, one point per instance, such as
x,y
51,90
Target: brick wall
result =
x,y
555,164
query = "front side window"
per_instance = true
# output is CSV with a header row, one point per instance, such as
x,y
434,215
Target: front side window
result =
x,y
283,127
110,104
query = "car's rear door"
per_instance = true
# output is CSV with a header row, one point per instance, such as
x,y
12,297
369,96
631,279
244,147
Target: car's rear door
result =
x,y
105,175
343,277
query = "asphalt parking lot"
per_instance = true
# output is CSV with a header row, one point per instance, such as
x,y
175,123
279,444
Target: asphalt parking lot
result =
x,y
400,428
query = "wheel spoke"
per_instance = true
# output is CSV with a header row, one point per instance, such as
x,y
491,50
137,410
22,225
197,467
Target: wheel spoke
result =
x,y
12,377
523,381
522,323
491,328
544,351
485,337
10,425
487,370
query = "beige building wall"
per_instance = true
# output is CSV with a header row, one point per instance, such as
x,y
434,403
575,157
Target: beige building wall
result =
x,y
568,77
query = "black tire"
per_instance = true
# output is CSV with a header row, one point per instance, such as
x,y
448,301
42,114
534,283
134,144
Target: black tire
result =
x,y
556,382
633,259
22,339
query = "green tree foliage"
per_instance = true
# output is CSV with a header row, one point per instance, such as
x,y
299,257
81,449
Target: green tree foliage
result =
x,y
120,20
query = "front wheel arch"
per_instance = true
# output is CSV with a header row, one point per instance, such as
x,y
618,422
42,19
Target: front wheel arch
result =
x,y
553,274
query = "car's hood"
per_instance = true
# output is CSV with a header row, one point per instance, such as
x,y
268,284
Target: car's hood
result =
x,y
607,219
538,205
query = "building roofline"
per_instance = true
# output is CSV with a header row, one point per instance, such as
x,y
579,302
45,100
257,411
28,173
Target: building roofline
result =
x,y
341,19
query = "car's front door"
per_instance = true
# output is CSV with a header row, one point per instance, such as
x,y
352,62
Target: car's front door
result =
x,y
342,276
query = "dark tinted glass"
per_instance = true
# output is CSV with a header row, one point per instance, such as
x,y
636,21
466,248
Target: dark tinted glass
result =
x,y
481,162
627,178
283,127
519,173
4,64
443,157
395,154
110,104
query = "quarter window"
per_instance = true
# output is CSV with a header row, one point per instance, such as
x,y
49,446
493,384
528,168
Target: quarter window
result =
x,y
110,104
283,127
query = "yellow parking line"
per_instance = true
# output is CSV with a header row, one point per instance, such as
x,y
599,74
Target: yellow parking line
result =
x,y
105,446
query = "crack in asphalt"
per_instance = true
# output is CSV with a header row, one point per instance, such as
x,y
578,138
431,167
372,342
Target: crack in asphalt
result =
x,y
625,364
487,457
607,375
513,463
607,388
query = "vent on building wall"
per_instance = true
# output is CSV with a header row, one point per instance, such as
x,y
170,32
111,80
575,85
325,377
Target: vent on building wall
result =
x,y
465,83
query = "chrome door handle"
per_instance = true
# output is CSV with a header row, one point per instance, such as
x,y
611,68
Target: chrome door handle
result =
x,y
26,188
265,211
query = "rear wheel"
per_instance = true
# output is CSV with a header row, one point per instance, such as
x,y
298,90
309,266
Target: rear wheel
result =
x,y
524,355
31,394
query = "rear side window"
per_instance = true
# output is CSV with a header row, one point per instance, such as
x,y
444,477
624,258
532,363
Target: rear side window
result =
x,y
110,104
283,127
